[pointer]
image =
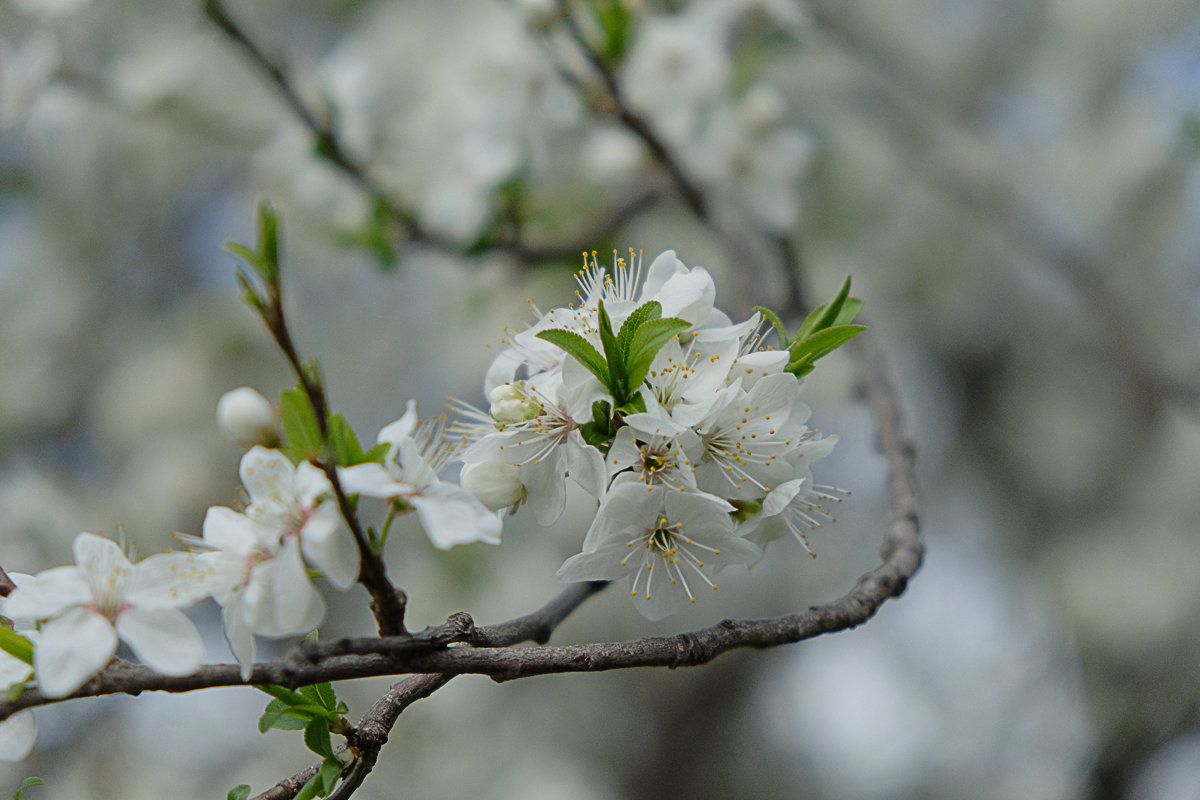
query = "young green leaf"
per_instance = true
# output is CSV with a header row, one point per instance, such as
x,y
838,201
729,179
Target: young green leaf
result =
x,y
316,738
268,242
331,770
579,348
346,449
599,432
776,323
239,792
646,343
315,787
804,352
16,645
322,694
640,316
618,375
300,428
25,784
849,311
825,315
284,717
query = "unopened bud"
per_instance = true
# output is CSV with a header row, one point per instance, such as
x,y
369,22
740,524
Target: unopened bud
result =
x,y
509,403
246,417
497,485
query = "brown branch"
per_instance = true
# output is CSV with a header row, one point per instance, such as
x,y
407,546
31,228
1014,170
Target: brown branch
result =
x,y
901,553
387,601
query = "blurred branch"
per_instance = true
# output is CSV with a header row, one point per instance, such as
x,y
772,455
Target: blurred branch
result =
x,y
329,146
950,164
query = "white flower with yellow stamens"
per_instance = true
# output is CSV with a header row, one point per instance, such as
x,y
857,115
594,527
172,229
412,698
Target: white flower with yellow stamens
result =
x,y
668,542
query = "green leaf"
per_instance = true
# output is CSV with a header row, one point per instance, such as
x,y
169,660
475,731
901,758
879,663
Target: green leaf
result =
x,y
268,242
313,788
377,453
331,770
346,448
16,645
284,717
281,693
300,428
646,343
579,348
316,738
849,311
246,254
776,323
803,353
640,316
825,315
618,383
599,432
25,784
250,294
322,694
239,792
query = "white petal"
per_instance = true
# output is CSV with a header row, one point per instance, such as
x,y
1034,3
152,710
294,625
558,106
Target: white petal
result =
x,y
373,480
585,464
163,638
268,475
239,636
598,565
280,600
781,496
17,734
311,483
170,579
225,529
99,558
451,515
47,594
71,649
330,547
402,428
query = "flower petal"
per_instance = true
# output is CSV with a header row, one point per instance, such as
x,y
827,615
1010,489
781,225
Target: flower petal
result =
x,y
451,515
280,600
402,428
17,734
330,547
71,649
163,638
238,635
373,480
268,476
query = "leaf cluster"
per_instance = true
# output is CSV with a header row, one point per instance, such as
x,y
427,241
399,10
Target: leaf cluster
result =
x,y
824,330
626,361
317,711
303,438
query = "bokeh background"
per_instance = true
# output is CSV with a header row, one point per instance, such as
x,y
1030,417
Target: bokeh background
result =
x,y
1013,185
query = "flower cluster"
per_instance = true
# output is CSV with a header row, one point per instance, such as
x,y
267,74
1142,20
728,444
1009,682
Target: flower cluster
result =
x,y
256,563
687,429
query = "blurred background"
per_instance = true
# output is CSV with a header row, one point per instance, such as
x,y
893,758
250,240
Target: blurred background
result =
x,y
1013,185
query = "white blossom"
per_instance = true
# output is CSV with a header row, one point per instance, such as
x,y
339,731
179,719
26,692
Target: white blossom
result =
x,y
450,514
85,610
667,542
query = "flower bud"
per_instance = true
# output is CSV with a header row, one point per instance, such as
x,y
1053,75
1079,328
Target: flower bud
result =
x,y
246,417
495,484
509,403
